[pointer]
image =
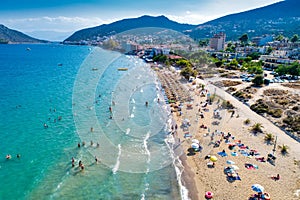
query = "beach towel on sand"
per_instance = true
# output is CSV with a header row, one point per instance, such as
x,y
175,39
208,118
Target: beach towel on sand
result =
x,y
251,166
223,154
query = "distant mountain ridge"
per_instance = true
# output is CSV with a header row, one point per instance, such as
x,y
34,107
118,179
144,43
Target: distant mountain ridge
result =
x,y
282,17
12,36
128,24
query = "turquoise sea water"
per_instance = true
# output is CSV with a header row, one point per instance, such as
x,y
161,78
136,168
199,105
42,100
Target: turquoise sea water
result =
x,y
70,88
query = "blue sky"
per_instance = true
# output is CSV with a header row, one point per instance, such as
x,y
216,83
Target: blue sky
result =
x,y
62,17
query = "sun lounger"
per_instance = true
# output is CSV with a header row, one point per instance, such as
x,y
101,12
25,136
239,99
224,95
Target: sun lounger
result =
x,y
244,153
187,135
210,165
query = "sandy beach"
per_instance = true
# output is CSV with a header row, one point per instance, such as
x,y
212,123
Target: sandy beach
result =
x,y
200,177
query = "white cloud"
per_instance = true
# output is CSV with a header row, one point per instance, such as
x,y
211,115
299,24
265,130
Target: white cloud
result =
x,y
59,23
192,18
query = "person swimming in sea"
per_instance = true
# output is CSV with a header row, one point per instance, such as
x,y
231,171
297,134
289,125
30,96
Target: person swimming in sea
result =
x,y
82,167
45,125
73,162
8,156
146,103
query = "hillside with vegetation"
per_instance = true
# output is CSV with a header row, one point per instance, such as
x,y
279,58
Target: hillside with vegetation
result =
x,y
12,36
282,17
106,30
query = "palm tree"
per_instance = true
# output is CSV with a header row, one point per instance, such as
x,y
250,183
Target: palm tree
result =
x,y
284,149
257,127
247,121
269,138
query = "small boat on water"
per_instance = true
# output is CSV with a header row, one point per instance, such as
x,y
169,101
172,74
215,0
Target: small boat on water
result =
x,y
94,69
122,69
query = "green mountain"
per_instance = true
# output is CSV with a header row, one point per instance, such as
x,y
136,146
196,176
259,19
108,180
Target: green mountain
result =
x,y
12,36
282,17
279,18
125,25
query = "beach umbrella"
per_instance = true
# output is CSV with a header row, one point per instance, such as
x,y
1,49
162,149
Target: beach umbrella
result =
x,y
195,145
234,167
230,162
213,158
195,141
186,120
257,188
234,154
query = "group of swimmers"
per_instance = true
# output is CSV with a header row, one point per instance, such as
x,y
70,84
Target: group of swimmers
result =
x,y
8,156
80,164
59,118
83,144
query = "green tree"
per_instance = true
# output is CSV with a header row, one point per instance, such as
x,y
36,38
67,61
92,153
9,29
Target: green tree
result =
x,y
279,37
187,72
257,127
203,42
295,38
293,69
244,38
234,62
258,80
269,138
283,149
269,50
160,58
281,70
183,63
254,55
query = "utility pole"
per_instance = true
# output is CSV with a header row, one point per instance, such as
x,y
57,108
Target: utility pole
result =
x,y
275,144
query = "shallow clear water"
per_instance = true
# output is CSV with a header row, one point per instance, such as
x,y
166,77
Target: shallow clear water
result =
x,y
78,84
